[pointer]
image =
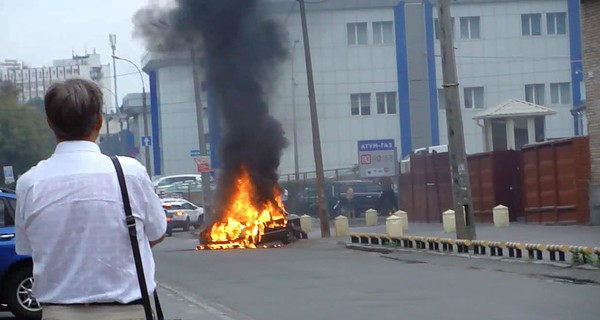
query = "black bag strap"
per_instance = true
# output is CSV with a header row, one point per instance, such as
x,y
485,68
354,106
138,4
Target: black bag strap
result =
x,y
130,219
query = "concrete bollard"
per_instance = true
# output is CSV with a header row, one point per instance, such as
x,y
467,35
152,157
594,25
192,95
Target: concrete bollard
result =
x,y
342,228
501,216
394,227
449,221
371,217
306,223
403,215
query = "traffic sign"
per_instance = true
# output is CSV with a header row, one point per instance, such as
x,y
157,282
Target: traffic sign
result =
x,y
194,153
9,175
377,158
146,141
202,164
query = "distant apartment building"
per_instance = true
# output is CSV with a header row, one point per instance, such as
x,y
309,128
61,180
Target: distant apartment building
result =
x,y
377,73
32,82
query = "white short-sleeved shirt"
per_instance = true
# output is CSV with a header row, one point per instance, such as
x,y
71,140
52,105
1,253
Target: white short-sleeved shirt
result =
x,y
70,218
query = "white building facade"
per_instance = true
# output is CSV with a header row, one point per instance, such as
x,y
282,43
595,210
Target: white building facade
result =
x,y
32,82
377,72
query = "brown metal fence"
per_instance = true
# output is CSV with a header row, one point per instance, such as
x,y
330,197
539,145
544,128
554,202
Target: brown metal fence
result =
x,y
555,181
426,191
542,183
495,179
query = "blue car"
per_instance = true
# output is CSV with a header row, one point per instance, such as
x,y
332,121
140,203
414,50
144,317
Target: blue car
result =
x,y
16,280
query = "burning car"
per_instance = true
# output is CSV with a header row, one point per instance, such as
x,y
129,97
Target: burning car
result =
x,y
244,223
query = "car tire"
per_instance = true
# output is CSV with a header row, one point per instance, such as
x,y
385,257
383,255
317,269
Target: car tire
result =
x,y
186,226
18,289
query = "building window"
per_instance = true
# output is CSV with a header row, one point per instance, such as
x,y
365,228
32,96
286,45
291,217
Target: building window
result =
x,y
469,28
534,93
360,103
441,97
531,24
557,22
386,102
474,98
436,28
357,33
560,93
383,32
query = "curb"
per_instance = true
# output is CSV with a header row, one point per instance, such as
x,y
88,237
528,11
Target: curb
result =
x,y
579,255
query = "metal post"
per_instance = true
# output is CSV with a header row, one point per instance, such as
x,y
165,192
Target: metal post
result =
x,y
145,118
148,164
296,162
461,188
205,176
325,232
113,44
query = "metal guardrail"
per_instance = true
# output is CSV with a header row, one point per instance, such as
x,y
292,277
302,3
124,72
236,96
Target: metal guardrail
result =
x,y
535,251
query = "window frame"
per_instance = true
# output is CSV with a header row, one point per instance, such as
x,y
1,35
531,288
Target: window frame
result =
x,y
386,98
530,24
556,90
469,22
552,19
359,98
473,97
356,33
379,32
535,94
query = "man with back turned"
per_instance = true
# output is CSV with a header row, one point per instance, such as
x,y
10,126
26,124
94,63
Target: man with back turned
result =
x,y
70,216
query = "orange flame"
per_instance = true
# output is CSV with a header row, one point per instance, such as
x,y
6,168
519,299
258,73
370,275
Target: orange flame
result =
x,y
244,223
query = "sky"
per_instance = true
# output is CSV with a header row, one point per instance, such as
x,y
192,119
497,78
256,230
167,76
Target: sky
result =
x,y
39,31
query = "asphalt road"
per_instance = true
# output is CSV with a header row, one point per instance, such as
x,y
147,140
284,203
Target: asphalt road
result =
x,y
317,279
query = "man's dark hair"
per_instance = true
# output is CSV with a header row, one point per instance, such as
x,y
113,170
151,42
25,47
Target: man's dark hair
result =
x,y
73,108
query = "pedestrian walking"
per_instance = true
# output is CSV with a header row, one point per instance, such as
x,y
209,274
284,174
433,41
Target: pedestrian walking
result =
x,y
350,202
88,222
388,202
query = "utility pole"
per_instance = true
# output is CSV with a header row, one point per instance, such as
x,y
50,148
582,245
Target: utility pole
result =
x,y
113,44
314,120
461,187
205,176
296,162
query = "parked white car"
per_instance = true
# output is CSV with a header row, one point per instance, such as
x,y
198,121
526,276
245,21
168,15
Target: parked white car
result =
x,y
182,214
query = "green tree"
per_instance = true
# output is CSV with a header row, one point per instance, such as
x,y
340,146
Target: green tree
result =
x,y
37,103
25,138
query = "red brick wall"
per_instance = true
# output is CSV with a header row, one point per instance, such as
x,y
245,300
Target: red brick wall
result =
x,y
590,17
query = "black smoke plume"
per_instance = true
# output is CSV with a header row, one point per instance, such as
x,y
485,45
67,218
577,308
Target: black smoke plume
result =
x,y
242,49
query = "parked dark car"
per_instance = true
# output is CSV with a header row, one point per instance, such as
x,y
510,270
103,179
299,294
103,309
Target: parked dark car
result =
x,y
366,196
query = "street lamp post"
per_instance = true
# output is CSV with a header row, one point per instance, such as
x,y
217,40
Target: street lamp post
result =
x,y
295,125
107,112
145,116
113,45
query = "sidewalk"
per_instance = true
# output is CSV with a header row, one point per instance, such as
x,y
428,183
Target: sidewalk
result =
x,y
517,232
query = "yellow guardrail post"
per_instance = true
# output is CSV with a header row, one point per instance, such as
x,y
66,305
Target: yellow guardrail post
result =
x,y
515,249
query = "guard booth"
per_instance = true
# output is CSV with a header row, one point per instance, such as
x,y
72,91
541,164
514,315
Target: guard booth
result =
x,y
513,124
